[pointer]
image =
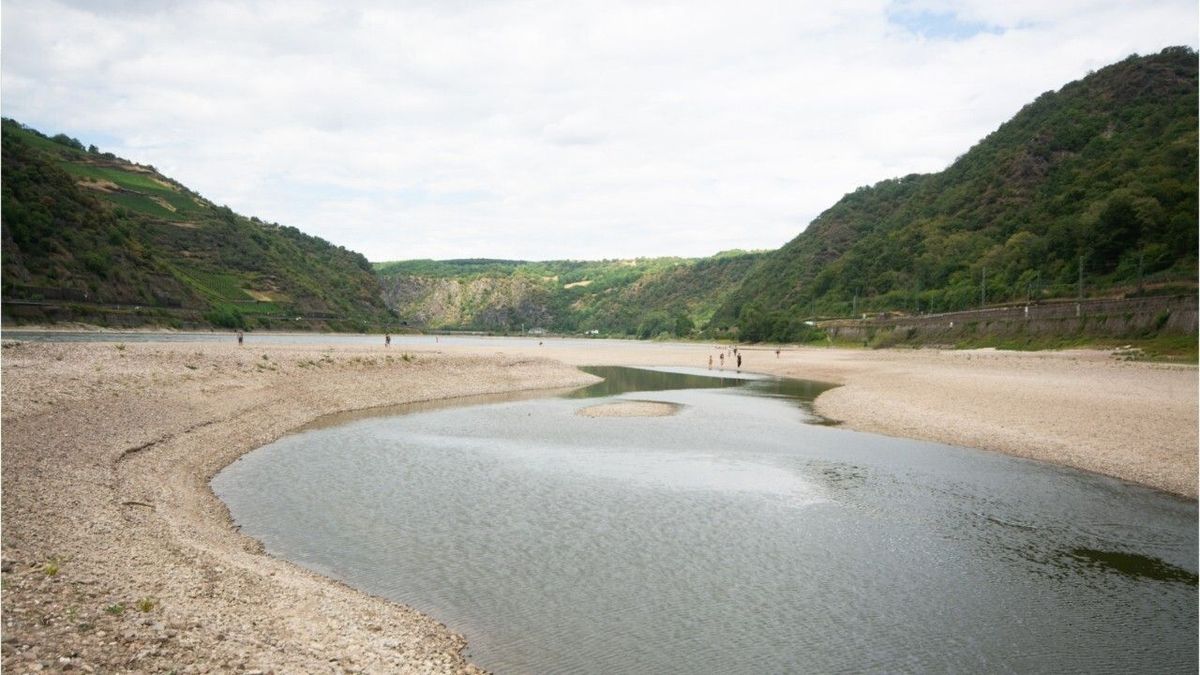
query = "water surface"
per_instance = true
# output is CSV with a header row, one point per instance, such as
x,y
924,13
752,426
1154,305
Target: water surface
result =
x,y
317,339
733,537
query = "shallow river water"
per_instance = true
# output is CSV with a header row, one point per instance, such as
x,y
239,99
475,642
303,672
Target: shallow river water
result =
x,y
734,537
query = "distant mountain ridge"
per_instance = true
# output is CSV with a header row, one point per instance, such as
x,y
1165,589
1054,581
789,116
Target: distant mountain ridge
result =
x,y
1087,191
1090,189
1095,183
91,237
644,297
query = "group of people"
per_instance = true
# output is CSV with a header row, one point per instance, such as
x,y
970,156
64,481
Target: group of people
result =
x,y
734,355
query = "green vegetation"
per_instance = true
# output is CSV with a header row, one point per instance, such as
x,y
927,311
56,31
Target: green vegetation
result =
x,y
1092,188
1160,348
1087,191
101,238
644,297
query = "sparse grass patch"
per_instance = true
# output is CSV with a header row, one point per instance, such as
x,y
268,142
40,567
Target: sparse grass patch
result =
x,y
146,604
116,609
1168,348
52,567
1162,348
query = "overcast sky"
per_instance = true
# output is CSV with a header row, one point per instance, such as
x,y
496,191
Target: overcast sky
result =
x,y
540,130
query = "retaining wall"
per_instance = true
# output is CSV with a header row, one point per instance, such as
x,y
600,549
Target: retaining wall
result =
x,y
1124,318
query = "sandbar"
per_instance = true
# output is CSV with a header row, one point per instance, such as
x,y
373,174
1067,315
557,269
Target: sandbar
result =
x,y
630,409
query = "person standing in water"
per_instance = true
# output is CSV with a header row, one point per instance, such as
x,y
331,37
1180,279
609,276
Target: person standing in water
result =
x,y
387,339
240,337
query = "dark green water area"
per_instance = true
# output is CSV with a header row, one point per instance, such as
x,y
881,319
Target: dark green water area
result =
x,y
739,535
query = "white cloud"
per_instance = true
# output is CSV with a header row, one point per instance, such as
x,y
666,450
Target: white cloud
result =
x,y
536,129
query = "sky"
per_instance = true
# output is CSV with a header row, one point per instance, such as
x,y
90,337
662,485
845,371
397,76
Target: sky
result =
x,y
539,130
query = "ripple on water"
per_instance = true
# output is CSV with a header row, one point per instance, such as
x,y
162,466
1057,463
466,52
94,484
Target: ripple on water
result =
x,y
729,538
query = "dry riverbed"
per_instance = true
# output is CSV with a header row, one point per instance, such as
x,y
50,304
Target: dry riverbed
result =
x,y
118,558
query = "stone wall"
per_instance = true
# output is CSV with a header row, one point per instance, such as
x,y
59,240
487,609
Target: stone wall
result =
x,y
1123,318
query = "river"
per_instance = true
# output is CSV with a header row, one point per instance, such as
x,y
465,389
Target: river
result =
x,y
738,535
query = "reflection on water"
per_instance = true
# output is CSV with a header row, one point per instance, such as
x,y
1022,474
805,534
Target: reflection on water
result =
x,y
732,537
620,380
1133,565
322,339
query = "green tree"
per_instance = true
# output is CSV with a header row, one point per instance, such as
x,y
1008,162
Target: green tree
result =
x,y
684,325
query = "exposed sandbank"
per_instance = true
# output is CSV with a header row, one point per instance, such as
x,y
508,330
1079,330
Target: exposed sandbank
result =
x,y
107,453
630,409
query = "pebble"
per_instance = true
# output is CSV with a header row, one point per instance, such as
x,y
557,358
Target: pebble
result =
x,y
218,609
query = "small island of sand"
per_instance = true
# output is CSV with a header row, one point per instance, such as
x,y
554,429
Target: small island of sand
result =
x,y
630,409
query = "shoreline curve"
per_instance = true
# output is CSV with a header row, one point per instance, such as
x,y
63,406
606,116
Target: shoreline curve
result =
x,y
109,448
108,452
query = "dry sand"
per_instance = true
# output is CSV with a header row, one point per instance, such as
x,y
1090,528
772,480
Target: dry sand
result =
x,y
107,454
108,449
630,409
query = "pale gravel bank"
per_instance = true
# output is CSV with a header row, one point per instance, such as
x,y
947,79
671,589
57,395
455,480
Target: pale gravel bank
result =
x,y
630,409
107,454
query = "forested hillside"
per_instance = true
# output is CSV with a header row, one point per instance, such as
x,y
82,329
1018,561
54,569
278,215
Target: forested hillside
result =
x,y
88,236
1089,189
645,297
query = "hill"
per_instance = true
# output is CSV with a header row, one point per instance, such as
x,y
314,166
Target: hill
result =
x,y
1089,191
88,236
646,297
1092,188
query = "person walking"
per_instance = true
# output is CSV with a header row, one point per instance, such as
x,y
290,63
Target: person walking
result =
x,y
710,361
739,363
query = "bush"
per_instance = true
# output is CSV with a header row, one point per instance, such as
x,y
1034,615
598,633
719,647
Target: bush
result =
x,y
98,262
225,316
63,139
